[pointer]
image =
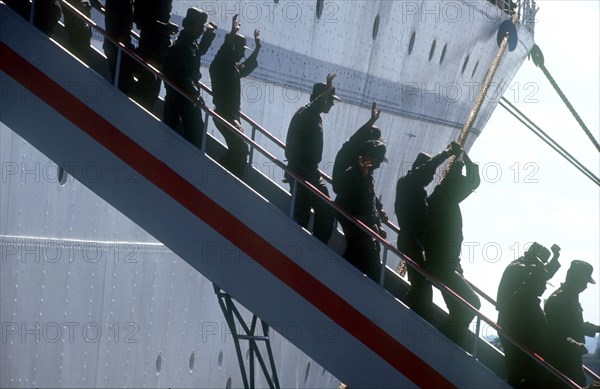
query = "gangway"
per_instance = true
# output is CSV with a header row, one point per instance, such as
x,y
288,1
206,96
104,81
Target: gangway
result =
x,y
350,325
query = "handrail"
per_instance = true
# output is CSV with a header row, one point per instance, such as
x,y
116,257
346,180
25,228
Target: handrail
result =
x,y
524,12
385,244
591,373
527,15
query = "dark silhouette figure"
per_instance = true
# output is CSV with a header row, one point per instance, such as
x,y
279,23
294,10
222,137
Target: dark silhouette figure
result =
x,y
520,315
80,32
357,197
152,19
442,241
226,72
518,270
182,67
46,15
351,149
23,8
567,329
411,210
524,321
118,22
304,151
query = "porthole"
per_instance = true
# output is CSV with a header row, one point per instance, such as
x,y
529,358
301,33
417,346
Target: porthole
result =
x,y
432,50
411,44
62,176
158,363
375,27
307,372
228,384
319,9
465,64
474,69
220,359
443,54
192,361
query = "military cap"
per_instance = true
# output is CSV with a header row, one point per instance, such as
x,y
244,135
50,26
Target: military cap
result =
x,y
318,88
581,270
195,15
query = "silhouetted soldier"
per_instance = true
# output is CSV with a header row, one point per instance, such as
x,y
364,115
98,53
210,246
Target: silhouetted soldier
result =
x,y
152,19
23,8
118,22
518,310
357,197
304,151
566,325
182,67
518,270
351,149
442,241
46,15
80,32
225,73
411,209
523,320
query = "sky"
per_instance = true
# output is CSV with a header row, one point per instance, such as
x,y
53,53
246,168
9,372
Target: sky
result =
x,y
529,192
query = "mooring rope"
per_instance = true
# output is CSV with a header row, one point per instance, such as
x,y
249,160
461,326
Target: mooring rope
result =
x,y
538,60
478,103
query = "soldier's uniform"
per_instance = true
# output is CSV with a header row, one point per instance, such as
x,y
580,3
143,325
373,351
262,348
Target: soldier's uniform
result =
x,y
304,151
225,75
152,19
565,321
182,66
357,197
442,241
521,317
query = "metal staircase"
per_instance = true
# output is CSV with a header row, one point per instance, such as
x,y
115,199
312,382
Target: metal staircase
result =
x,y
232,314
237,234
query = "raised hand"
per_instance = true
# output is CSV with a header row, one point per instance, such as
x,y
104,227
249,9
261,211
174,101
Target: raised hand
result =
x,y
211,27
257,37
455,149
374,113
330,78
235,24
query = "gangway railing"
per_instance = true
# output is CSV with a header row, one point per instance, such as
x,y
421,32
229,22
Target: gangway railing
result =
x,y
387,247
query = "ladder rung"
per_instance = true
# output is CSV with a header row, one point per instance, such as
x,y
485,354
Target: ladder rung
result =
x,y
254,337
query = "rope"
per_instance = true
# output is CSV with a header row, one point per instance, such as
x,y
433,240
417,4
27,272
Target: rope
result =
x,y
462,138
401,269
548,140
538,60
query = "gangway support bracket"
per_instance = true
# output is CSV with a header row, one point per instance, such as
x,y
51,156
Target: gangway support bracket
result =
x,y
231,313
